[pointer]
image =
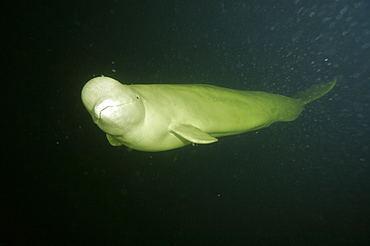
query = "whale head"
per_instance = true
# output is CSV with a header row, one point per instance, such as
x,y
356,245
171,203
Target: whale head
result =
x,y
113,106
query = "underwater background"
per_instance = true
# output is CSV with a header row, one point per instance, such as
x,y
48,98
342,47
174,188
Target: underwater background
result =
x,y
304,182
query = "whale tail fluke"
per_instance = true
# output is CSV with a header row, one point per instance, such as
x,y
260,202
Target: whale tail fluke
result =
x,y
315,92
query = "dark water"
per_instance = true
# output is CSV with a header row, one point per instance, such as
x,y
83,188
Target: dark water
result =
x,y
305,182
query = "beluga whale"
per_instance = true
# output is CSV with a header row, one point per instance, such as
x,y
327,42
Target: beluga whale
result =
x,y
159,117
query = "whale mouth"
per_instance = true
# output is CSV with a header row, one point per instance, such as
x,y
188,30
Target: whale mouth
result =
x,y
105,108
96,121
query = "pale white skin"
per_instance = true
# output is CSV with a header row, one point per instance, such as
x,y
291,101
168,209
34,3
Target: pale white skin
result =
x,y
153,117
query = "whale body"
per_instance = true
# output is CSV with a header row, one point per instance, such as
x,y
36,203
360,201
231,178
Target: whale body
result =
x,y
159,117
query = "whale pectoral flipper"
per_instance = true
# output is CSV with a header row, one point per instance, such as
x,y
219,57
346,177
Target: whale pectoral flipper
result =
x,y
113,141
193,134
